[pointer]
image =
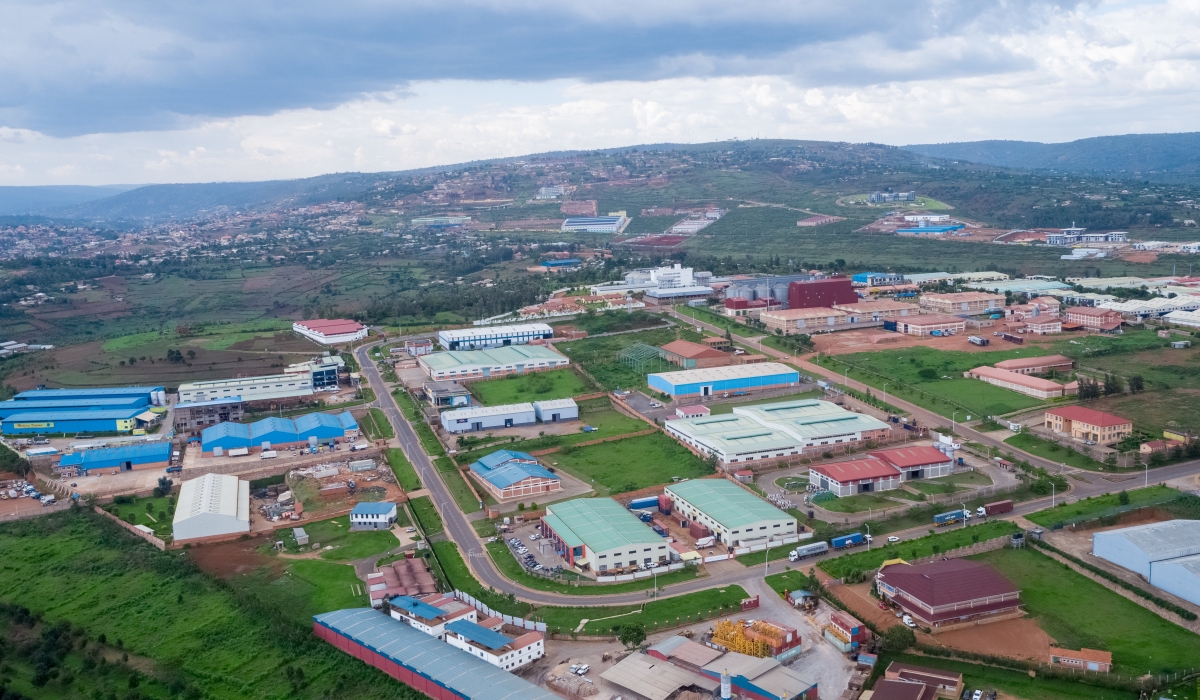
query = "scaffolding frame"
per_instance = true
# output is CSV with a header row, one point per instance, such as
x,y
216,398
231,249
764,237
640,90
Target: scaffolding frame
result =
x,y
642,358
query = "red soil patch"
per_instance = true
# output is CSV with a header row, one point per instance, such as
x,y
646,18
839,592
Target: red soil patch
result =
x,y
1016,639
228,559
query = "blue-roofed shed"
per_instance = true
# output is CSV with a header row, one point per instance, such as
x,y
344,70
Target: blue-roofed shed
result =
x,y
373,515
412,606
320,425
479,634
129,457
148,392
227,436
8,408
509,474
420,661
277,431
73,421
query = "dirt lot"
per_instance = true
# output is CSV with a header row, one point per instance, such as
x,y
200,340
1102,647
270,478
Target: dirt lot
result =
x,y
1017,639
228,559
845,342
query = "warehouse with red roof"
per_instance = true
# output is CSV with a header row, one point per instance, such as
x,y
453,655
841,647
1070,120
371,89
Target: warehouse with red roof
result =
x,y
949,594
920,462
856,476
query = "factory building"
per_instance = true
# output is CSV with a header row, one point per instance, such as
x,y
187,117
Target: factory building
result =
x,y
761,679
769,432
419,660
594,224
965,303
485,337
1036,387
150,455
278,433
323,370
877,279
72,421
950,594
926,324
196,415
476,418
808,321
331,331
53,406
717,381
154,395
878,310
466,365
921,462
856,476
250,389
1166,554
735,516
646,279
689,355
66,411
600,534
497,649
556,410
213,505
662,296
508,475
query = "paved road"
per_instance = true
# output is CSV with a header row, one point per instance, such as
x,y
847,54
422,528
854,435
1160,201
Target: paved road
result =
x,y
459,530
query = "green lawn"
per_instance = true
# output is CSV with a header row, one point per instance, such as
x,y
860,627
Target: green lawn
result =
x,y
1078,612
964,479
608,424
944,541
667,611
599,356
512,569
406,475
793,483
459,577
1053,451
382,424
858,503
934,488
456,482
426,515
535,386
231,640
429,442
630,464
719,320
154,513
1015,683
1100,506
336,533
407,408
720,408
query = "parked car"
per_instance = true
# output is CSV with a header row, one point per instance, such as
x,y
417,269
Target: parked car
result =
x,y
533,537
893,539
908,622
978,695
174,470
583,668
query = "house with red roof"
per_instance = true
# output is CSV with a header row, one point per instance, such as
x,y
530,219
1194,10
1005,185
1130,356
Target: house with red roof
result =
x,y
922,462
1088,424
331,331
950,594
856,476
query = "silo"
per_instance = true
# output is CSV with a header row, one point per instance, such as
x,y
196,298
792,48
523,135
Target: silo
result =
x,y
738,290
780,292
762,291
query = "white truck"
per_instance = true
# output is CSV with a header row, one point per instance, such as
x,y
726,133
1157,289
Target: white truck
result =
x,y
48,500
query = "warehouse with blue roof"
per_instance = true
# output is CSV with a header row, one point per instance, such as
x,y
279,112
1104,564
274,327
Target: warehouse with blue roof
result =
x,y
724,381
13,406
278,433
154,395
70,411
420,661
150,455
73,422
509,475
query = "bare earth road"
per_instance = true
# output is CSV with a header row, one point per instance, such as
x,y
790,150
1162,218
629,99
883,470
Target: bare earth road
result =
x,y
459,529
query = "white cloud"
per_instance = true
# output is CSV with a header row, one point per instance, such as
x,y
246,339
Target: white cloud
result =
x,y
1116,68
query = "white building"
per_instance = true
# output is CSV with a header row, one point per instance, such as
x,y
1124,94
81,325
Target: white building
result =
x,y
930,218
485,337
734,515
469,420
331,331
601,534
1166,554
1189,248
493,647
556,410
643,280
275,386
594,224
430,613
373,515
210,506
1184,318
1150,245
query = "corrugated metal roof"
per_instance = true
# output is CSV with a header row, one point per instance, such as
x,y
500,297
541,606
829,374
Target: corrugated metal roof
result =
x,y
726,502
416,607
602,524
373,508
471,677
480,635
138,454
485,411
512,355
122,414
712,374
504,472
552,404
1158,541
39,394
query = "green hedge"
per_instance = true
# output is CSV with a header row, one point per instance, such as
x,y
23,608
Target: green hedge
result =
x,y
1140,592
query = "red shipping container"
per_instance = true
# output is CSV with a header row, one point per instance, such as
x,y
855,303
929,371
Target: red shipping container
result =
x,y
697,530
664,504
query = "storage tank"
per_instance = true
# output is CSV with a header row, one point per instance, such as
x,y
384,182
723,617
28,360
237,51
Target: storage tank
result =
x,y
738,290
159,398
762,291
780,292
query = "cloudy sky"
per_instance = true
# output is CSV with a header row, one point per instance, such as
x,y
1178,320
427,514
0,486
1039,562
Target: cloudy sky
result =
x,y
134,91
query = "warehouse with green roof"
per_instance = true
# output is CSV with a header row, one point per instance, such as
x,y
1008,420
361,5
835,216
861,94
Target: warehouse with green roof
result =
x,y
735,516
464,365
601,535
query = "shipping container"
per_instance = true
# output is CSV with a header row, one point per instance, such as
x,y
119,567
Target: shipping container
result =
x,y
998,507
664,504
977,340
266,454
698,530
239,452
647,502
1012,338
808,550
953,516
852,540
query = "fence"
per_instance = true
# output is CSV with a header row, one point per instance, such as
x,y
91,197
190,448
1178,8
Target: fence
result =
x,y
508,619
148,536
677,566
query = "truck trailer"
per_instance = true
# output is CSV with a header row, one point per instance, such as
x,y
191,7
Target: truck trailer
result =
x,y
808,550
954,516
994,508
852,540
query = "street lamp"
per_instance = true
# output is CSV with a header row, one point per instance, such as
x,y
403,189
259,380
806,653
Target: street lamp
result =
x,y
1051,494
952,424
885,386
965,513
868,536
767,559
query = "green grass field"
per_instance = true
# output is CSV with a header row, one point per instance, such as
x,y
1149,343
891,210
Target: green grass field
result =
x,y
858,503
1078,612
607,424
459,578
426,515
154,513
456,482
535,386
1015,683
934,489
406,475
347,545
599,356
1052,450
667,611
233,640
720,321
1100,506
633,463
944,541
376,425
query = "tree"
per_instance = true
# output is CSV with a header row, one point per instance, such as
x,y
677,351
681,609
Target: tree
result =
x,y
1137,384
1113,385
898,638
712,460
633,635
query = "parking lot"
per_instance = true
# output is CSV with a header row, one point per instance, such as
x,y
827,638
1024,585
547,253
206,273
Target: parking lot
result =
x,y
538,552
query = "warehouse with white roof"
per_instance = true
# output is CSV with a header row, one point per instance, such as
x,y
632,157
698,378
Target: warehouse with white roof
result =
x,y
474,419
212,505
775,431
735,516
485,337
1166,554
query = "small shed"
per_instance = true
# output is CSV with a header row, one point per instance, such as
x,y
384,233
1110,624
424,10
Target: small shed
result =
x,y
376,515
556,410
300,535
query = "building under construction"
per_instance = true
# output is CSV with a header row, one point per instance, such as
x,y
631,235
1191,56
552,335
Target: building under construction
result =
x,y
756,638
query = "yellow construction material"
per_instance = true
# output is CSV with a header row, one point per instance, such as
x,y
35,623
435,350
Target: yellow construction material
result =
x,y
732,636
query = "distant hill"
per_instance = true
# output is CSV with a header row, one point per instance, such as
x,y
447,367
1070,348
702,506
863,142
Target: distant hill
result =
x,y
1155,156
17,201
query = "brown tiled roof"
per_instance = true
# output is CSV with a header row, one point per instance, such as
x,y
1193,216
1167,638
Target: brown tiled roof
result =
x,y
905,457
947,582
903,690
691,351
1088,415
1102,657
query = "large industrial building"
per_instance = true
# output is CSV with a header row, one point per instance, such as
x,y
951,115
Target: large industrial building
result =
x,y
1085,423
213,505
717,381
195,415
265,388
926,324
419,660
485,337
921,462
950,594
807,294
556,410
775,431
964,303
278,433
150,455
331,331
735,516
594,224
508,475
600,534
1166,554
855,476
808,321
1036,387
67,411
484,364
762,679
477,418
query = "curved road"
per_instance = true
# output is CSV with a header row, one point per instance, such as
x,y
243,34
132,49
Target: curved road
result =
x,y
459,529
